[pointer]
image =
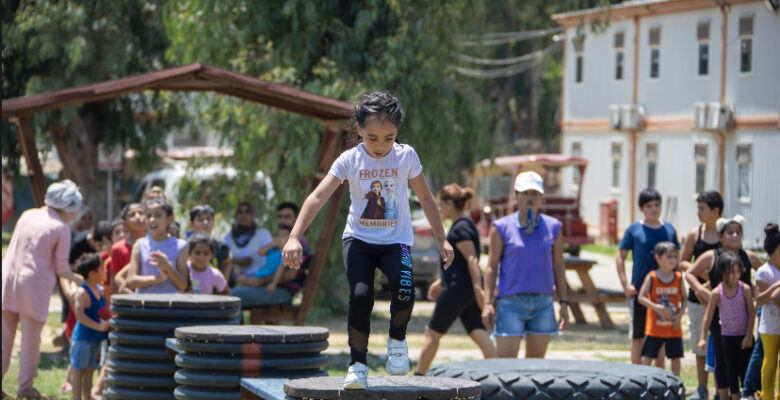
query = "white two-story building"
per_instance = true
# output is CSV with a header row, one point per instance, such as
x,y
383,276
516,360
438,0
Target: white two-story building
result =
x,y
678,95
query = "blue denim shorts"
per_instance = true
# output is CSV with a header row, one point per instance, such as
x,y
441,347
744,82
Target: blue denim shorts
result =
x,y
84,354
525,313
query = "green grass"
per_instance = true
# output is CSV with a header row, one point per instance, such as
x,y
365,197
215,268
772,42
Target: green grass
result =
x,y
607,250
52,367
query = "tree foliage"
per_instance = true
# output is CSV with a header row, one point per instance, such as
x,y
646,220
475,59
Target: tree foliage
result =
x,y
50,45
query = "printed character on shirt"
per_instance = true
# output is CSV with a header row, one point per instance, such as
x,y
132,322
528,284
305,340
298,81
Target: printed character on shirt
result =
x,y
375,203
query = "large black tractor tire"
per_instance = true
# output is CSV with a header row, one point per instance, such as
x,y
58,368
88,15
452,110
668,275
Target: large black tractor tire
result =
x,y
533,379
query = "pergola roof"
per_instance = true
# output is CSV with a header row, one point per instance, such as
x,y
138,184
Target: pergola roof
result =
x,y
191,77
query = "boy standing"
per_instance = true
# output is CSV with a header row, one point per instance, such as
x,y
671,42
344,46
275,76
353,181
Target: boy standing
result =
x,y
90,329
700,239
640,238
662,294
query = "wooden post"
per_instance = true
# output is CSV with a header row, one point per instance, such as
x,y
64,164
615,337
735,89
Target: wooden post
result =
x,y
333,143
30,152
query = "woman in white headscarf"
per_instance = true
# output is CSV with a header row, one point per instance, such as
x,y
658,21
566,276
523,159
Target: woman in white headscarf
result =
x,y
37,254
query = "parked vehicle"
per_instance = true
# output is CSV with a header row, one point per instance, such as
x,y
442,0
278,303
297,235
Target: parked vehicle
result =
x,y
495,197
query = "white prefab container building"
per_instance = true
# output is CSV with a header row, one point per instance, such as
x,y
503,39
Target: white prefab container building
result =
x,y
679,95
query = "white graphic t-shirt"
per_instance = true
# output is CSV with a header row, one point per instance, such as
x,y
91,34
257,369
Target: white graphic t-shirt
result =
x,y
378,188
770,315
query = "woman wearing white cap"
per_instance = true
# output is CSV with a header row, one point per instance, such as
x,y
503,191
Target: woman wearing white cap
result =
x,y
36,255
529,248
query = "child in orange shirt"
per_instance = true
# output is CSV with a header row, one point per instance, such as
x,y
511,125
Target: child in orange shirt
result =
x,y
663,294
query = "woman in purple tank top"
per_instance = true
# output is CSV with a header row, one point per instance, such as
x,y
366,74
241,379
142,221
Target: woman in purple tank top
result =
x,y
528,247
158,263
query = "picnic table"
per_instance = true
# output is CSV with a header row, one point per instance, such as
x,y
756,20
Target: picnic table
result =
x,y
589,293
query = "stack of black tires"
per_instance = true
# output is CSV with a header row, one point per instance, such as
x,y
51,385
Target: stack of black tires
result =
x,y
139,365
213,359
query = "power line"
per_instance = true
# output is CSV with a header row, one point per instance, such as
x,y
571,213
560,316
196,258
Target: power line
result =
x,y
529,61
504,61
489,39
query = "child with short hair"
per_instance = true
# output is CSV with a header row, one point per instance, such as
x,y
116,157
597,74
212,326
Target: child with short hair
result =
x,y
159,260
134,221
90,329
709,206
662,294
734,301
205,279
640,239
202,220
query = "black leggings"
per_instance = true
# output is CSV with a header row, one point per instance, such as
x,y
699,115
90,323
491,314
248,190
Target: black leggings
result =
x,y
736,361
730,359
361,260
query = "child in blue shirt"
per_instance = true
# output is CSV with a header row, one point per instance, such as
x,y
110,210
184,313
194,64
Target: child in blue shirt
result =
x,y
90,330
270,273
640,239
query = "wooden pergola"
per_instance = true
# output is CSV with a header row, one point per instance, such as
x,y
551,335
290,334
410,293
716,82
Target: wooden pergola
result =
x,y
333,113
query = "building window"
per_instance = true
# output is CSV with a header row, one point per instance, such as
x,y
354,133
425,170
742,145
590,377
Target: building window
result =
x,y
619,45
703,38
746,44
617,155
651,152
700,155
576,150
578,43
743,171
655,52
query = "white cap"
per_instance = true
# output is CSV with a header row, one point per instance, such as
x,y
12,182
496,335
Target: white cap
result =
x,y
529,181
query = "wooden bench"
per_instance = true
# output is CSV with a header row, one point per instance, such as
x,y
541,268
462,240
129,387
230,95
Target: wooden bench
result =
x,y
589,293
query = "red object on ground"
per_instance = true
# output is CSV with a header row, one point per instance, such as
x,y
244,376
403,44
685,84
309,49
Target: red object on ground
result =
x,y
608,226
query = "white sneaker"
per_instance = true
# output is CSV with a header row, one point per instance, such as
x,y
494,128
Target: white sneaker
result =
x,y
397,357
357,377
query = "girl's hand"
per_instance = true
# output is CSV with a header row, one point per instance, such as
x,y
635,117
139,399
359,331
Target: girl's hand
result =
x,y
447,253
292,254
677,322
160,260
563,314
488,315
747,341
270,288
702,345
104,326
434,290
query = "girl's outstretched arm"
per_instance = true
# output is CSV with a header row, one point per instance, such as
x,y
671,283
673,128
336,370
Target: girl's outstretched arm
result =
x,y
292,254
431,211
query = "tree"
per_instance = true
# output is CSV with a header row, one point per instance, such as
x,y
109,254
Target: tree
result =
x,y
337,49
50,45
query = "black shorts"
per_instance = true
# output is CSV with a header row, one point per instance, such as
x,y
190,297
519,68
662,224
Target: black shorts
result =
x,y
674,347
452,304
638,318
